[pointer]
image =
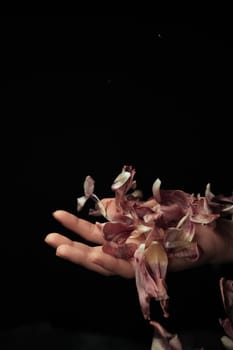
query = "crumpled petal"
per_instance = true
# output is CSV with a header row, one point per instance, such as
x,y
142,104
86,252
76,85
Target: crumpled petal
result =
x,y
150,279
227,342
226,288
164,340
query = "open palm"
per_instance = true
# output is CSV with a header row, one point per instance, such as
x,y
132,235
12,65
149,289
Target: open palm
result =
x,y
215,244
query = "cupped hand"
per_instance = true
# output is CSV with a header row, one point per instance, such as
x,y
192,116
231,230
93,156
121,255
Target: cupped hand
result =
x,y
215,244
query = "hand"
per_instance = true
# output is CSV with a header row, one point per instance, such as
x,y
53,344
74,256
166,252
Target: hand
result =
x,y
92,258
215,244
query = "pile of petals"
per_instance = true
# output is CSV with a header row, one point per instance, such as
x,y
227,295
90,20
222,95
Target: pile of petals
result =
x,y
152,230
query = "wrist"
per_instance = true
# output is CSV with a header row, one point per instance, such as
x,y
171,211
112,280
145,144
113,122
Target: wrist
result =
x,y
224,228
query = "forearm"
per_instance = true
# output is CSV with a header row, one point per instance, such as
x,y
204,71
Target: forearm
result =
x,y
224,229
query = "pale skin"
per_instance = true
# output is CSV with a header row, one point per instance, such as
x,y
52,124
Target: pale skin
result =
x,y
215,243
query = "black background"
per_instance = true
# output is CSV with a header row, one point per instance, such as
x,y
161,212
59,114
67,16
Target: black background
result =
x,y
86,95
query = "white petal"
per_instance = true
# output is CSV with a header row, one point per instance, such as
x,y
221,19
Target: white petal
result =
x,y
156,190
89,185
227,342
81,202
121,180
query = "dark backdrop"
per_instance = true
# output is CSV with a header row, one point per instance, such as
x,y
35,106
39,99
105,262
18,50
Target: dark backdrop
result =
x,y
108,92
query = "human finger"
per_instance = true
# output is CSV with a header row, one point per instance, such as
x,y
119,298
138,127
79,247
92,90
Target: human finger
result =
x,y
56,239
83,228
93,258
81,256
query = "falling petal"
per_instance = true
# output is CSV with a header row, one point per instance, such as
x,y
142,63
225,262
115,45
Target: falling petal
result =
x,y
226,289
150,283
156,258
227,342
164,340
156,190
81,202
121,180
89,185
